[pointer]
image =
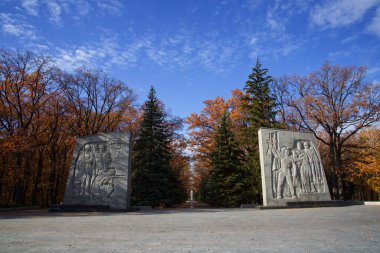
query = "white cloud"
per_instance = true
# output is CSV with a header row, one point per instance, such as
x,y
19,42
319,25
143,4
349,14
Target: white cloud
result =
x,y
276,41
179,51
131,54
82,7
274,22
272,43
95,54
31,6
14,25
340,13
349,39
54,11
113,7
262,50
374,26
373,70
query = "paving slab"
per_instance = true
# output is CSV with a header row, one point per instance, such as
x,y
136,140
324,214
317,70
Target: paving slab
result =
x,y
333,229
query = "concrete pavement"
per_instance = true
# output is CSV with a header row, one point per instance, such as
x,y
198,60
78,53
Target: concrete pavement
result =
x,y
333,229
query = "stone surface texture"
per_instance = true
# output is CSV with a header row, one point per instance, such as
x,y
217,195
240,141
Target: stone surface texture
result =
x,y
332,229
100,172
291,167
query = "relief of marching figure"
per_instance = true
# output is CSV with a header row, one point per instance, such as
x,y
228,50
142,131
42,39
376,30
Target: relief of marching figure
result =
x,y
94,177
295,170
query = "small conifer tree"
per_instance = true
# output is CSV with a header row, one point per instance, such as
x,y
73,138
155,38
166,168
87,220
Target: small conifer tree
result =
x,y
228,183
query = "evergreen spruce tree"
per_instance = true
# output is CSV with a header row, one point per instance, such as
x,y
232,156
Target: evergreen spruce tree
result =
x,y
260,110
228,183
260,104
153,181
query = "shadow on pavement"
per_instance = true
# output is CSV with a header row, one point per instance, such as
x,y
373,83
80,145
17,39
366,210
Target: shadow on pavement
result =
x,y
41,213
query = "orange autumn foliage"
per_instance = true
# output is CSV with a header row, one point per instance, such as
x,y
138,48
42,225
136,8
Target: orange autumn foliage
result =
x,y
368,164
203,125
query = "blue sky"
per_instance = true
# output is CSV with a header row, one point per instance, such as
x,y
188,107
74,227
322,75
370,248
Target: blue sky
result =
x,y
195,50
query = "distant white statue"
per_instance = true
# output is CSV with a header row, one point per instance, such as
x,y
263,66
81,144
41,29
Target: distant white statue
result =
x,y
191,195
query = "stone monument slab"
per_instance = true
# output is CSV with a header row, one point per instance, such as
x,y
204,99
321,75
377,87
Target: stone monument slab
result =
x,y
100,172
291,167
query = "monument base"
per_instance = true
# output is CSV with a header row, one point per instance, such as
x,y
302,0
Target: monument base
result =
x,y
314,197
314,204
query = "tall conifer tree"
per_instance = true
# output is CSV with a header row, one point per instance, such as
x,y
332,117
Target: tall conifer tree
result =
x,y
260,110
153,181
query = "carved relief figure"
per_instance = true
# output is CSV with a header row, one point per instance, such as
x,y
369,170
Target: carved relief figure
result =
x,y
286,172
94,177
84,171
296,170
306,172
100,170
79,175
107,185
299,156
99,164
276,163
116,147
107,158
314,160
92,163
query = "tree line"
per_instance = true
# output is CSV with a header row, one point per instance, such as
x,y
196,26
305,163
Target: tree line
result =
x,y
44,108
337,104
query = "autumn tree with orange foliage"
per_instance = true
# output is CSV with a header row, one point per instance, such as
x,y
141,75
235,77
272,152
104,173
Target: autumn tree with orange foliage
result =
x,y
202,128
25,79
365,167
180,161
334,103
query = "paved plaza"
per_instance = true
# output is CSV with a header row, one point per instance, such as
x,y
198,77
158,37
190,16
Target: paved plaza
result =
x,y
333,229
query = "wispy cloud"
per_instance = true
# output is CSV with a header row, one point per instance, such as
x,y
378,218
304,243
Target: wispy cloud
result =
x,y
55,12
15,25
373,70
272,38
55,9
113,7
264,46
267,33
374,26
332,14
274,22
30,6
349,39
184,50
93,55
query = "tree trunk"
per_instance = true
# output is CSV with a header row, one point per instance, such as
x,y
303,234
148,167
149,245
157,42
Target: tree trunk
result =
x,y
334,178
18,190
37,183
342,185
